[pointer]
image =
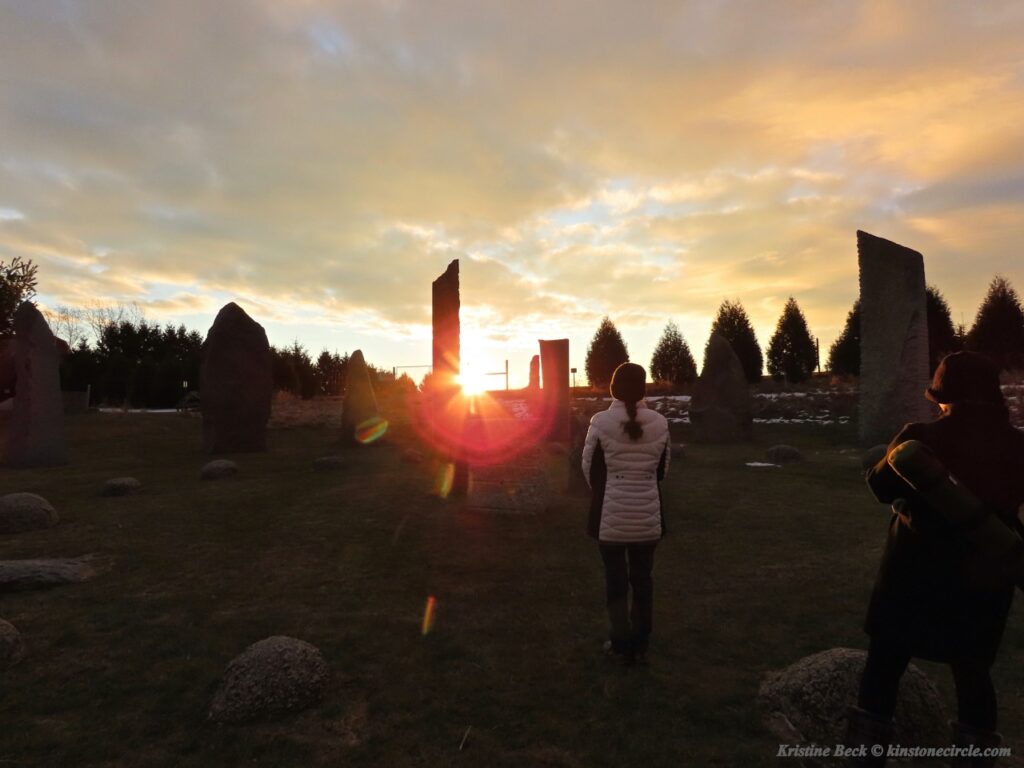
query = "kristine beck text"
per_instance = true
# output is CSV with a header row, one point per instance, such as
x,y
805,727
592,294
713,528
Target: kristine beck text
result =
x,y
893,751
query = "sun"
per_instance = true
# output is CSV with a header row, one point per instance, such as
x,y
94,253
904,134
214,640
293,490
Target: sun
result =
x,y
473,381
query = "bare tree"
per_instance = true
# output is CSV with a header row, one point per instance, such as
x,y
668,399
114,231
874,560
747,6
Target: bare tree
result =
x,y
98,315
68,323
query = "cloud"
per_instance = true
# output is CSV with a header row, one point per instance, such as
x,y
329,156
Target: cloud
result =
x,y
325,160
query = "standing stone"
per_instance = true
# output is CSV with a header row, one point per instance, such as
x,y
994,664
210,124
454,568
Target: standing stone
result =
x,y
445,304
236,384
534,373
720,408
554,363
893,338
36,428
359,403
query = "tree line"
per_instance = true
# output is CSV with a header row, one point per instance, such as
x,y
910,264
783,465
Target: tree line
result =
x,y
793,354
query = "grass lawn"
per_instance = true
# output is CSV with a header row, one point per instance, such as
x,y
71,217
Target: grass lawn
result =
x,y
761,567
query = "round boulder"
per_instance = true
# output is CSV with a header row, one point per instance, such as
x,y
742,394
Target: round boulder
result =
x,y
872,456
218,468
810,699
328,463
121,486
21,512
272,677
12,649
783,454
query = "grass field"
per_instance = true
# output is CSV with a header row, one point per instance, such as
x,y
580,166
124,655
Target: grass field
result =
x,y
761,567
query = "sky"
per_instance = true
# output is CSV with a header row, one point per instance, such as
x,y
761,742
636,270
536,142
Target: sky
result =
x,y
320,163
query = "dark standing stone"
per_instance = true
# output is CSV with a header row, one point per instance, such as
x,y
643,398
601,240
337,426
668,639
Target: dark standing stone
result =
x,y
359,404
554,363
534,372
236,384
446,328
873,455
720,408
893,338
36,427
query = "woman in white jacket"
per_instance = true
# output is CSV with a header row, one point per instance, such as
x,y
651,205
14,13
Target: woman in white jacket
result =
x,y
625,457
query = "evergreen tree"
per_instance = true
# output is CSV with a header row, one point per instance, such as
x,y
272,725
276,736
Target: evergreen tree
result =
x,y
792,354
17,284
998,330
942,335
844,354
607,352
733,323
672,360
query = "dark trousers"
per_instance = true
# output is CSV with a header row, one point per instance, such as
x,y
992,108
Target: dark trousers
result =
x,y
879,686
625,566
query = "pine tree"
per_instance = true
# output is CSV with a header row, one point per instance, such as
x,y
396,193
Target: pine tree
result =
x,y
733,323
792,354
672,360
942,335
844,354
607,352
998,330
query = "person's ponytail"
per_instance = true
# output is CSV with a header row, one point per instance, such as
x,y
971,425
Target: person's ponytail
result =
x,y
629,386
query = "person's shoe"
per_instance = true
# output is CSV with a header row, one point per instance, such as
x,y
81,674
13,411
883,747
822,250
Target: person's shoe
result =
x,y
968,736
864,731
622,657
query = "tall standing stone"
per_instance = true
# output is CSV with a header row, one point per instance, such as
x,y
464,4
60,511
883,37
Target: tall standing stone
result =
x,y
359,404
534,373
36,428
893,338
236,384
445,305
554,365
720,408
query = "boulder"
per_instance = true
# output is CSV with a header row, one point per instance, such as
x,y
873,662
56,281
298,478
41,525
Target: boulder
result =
x,y
270,678
873,455
218,468
236,384
21,512
359,405
328,463
36,430
720,408
18,575
783,454
12,649
121,486
810,699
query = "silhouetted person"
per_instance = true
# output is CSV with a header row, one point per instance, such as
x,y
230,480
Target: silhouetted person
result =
x,y
625,456
937,597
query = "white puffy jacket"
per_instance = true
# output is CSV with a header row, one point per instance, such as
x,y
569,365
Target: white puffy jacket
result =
x,y
629,502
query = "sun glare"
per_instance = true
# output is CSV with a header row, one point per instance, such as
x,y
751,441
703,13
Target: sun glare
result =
x,y
473,382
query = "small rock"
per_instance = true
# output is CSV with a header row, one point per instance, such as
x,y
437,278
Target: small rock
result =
x,y
270,678
328,463
810,698
12,649
121,486
873,455
783,454
21,512
38,574
218,468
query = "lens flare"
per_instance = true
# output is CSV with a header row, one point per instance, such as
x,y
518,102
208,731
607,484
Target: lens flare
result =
x,y
371,430
444,479
429,615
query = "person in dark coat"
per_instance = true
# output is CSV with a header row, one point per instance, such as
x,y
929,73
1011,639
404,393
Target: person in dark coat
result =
x,y
936,597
